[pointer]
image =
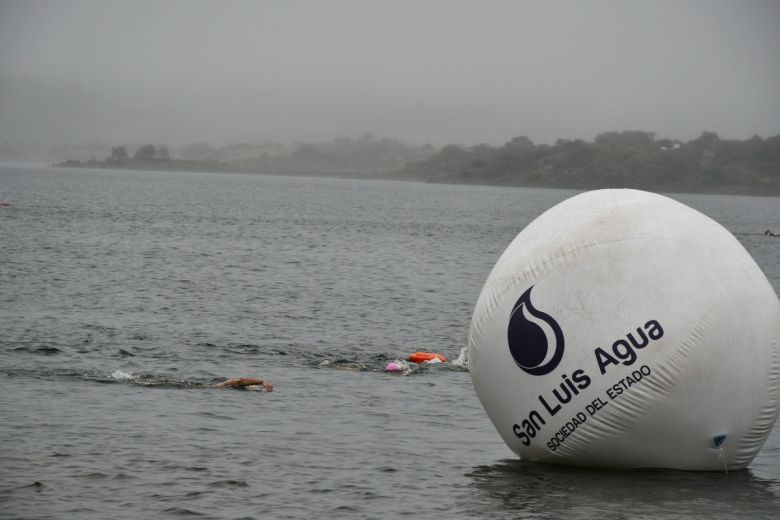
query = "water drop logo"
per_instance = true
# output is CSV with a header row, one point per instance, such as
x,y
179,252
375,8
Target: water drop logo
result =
x,y
535,338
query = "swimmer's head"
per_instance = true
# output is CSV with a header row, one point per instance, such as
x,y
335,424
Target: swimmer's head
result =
x,y
393,367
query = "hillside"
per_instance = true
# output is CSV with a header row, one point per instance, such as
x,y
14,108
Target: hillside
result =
x,y
614,159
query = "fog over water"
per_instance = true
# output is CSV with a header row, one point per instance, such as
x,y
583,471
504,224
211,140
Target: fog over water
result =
x,y
439,71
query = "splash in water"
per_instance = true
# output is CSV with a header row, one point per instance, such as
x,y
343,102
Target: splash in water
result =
x,y
463,358
120,376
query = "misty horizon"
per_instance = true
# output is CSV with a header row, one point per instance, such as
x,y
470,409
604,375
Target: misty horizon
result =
x,y
438,73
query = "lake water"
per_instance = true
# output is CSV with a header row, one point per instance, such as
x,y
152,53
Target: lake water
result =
x,y
123,294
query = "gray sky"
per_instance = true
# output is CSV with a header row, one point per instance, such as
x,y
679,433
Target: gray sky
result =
x,y
421,71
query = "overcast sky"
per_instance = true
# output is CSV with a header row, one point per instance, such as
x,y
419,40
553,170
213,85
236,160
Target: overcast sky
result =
x,y
420,71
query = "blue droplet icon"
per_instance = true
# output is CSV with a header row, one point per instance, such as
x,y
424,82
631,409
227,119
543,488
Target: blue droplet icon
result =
x,y
535,338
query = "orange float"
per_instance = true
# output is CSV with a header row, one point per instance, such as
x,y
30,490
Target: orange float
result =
x,y
424,357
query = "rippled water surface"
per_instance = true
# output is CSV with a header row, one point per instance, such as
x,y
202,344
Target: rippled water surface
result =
x,y
126,294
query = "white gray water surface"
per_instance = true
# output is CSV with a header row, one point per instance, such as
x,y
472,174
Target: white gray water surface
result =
x,y
123,295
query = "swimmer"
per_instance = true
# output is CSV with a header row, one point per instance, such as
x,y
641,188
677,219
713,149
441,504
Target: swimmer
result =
x,y
248,383
393,367
769,233
398,366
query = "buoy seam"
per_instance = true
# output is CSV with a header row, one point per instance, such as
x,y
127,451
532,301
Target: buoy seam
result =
x,y
758,434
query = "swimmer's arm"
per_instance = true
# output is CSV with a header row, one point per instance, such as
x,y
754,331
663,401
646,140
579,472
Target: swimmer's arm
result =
x,y
240,382
246,381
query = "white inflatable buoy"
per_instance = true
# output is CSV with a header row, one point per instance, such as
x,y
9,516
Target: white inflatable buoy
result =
x,y
624,329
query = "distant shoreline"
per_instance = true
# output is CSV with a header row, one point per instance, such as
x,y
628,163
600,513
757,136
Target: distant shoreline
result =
x,y
627,159
184,166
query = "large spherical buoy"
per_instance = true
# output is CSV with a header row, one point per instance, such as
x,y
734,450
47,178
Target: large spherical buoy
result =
x,y
624,329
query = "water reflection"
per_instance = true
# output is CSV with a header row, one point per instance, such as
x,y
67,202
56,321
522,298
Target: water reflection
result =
x,y
518,489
